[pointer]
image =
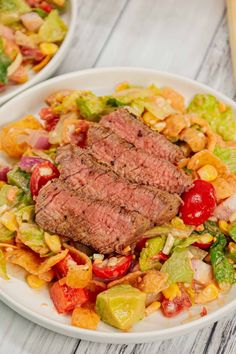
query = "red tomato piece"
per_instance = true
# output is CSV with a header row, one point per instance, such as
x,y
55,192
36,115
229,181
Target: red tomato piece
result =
x,y
42,173
49,117
160,257
32,53
203,246
45,6
62,267
203,312
199,203
107,272
176,306
65,299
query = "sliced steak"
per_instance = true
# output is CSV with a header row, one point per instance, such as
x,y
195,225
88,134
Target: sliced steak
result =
x,y
137,133
100,225
135,164
82,173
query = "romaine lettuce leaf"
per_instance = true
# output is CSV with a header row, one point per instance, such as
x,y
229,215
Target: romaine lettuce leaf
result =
x,y
228,156
11,10
33,237
90,105
209,108
178,267
5,62
153,247
5,234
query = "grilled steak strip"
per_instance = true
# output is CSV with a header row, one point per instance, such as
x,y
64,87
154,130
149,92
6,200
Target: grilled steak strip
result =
x,y
135,164
82,173
100,225
137,133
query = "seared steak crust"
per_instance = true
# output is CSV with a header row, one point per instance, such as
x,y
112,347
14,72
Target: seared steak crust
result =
x,y
135,164
97,224
137,133
83,174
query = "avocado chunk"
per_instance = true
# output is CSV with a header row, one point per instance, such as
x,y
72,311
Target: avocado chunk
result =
x,y
121,306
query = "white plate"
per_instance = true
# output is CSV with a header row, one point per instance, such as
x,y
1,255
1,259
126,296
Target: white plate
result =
x,y
36,305
70,19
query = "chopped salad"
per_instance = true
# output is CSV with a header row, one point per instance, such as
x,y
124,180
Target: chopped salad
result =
x,y
190,260
31,32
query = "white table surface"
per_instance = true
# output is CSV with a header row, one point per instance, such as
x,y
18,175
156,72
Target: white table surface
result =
x,y
187,37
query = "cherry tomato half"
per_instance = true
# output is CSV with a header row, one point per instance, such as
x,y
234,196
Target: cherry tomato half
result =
x,y
171,308
199,203
42,173
106,271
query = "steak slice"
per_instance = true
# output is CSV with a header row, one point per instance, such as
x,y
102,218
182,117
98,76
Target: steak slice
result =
x,y
82,173
137,133
135,164
97,224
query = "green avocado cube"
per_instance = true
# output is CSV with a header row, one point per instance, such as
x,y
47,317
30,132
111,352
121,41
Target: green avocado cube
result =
x,y
121,306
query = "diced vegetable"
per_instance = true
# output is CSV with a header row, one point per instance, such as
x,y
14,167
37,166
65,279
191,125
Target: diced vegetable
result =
x,y
5,234
28,162
65,299
53,29
226,208
228,156
112,268
90,106
232,231
220,120
10,10
223,270
19,178
178,267
202,271
172,292
172,308
42,173
208,173
33,237
199,203
152,248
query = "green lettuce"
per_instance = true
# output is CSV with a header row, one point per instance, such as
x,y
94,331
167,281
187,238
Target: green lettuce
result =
x,y
33,237
90,105
228,156
4,193
208,107
232,231
5,234
53,29
178,267
11,10
152,248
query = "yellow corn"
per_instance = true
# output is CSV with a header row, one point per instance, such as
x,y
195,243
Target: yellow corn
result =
x,y
206,238
152,308
53,242
208,294
177,222
208,173
8,219
34,281
42,64
48,48
171,292
224,226
59,2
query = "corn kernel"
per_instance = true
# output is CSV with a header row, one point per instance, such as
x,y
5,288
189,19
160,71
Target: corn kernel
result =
x,y
224,226
34,281
8,219
177,222
152,308
208,294
122,86
208,173
59,2
171,292
206,238
48,48
53,242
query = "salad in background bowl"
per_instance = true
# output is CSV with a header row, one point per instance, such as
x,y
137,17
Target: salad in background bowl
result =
x,y
34,37
182,267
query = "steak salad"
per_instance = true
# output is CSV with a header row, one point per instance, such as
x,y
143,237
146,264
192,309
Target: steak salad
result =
x,y
122,202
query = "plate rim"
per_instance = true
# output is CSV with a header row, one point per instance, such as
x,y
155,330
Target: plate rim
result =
x,y
54,63
117,337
